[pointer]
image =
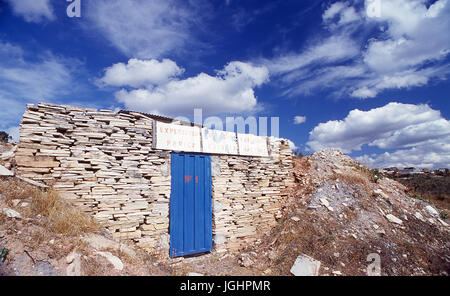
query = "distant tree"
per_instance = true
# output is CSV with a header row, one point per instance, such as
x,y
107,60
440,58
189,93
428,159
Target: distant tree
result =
x,y
4,137
298,153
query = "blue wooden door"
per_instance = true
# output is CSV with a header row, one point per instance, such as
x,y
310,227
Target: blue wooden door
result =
x,y
190,204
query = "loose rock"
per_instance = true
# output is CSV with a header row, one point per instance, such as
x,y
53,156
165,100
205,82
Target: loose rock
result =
x,y
5,172
432,211
305,266
11,213
394,219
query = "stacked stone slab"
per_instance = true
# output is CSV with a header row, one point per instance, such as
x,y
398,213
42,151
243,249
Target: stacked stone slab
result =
x,y
248,193
104,163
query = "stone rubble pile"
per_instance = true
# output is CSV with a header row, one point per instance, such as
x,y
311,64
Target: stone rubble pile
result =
x,y
104,163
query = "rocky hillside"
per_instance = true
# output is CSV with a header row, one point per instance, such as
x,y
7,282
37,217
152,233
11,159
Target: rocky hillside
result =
x,y
341,214
340,217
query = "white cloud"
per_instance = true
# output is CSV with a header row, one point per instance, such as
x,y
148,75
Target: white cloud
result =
x,y
364,93
341,10
375,127
393,126
409,50
434,154
21,80
292,145
333,10
143,28
230,90
33,10
139,73
299,119
333,49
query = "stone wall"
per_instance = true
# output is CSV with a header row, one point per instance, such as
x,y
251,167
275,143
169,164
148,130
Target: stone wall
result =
x,y
248,193
104,163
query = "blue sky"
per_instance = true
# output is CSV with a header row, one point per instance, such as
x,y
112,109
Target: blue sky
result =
x,y
368,77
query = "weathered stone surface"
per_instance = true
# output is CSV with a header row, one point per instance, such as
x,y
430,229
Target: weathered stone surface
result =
x,y
115,261
74,267
100,242
394,219
38,184
305,266
5,172
432,211
219,239
6,155
10,213
36,162
419,216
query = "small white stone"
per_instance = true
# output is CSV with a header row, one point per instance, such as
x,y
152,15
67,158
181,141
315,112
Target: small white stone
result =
x,y
443,222
325,202
418,216
432,211
11,213
305,266
394,219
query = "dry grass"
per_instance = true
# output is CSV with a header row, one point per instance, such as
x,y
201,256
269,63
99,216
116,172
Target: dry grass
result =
x,y
60,216
12,188
91,266
353,178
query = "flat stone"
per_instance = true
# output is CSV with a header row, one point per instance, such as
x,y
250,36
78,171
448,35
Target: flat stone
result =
x,y
7,155
29,181
419,216
432,211
217,206
36,162
305,266
394,219
325,202
442,222
5,172
381,193
11,213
